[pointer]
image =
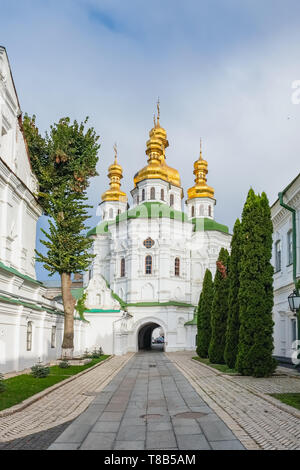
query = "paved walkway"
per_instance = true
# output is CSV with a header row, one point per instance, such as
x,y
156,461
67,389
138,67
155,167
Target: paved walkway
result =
x,y
61,405
258,420
148,405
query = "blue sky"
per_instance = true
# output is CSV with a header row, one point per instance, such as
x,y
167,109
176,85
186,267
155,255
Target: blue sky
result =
x,y
223,70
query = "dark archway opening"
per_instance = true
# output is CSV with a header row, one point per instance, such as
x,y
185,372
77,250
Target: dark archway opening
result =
x,y
145,341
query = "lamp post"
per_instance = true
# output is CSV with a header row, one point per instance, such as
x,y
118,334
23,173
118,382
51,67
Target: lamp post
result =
x,y
294,303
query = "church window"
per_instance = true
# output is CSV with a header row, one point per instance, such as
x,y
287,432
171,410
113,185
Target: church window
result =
x,y
152,193
172,200
209,211
138,199
148,243
177,267
143,195
278,256
29,336
148,265
53,337
123,267
119,211
111,213
162,194
290,246
193,211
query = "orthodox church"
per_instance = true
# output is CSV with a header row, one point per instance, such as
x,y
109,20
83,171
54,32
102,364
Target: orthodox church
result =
x,y
150,258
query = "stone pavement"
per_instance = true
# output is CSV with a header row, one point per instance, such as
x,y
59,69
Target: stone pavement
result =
x,y
148,405
243,403
61,405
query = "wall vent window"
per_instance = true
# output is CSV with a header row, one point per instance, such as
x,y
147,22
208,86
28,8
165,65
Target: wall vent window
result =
x,y
29,336
123,267
53,337
148,265
209,211
143,195
193,211
162,194
278,256
177,267
172,200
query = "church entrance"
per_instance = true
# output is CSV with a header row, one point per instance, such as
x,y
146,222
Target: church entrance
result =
x,y
151,338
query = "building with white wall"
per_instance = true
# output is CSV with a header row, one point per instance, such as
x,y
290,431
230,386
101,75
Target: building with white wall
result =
x,y
151,258
31,326
285,329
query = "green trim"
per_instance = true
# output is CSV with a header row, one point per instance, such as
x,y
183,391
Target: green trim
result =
x,y
114,295
204,224
17,273
160,304
97,310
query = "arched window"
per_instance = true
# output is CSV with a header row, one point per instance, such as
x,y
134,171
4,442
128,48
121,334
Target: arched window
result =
x,y
138,199
29,336
148,264
172,200
143,195
152,193
162,194
123,267
193,211
177,267
209,211
53,337
111,213
119,211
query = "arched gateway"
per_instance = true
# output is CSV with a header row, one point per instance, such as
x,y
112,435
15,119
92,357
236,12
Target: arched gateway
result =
x,y
145,336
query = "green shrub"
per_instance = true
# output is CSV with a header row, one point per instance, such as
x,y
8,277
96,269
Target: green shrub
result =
x,y
39,371
97,353
2,384
64,364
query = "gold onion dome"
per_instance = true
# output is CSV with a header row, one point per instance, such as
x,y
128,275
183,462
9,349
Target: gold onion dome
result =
x,y
115,174
200,189
157,167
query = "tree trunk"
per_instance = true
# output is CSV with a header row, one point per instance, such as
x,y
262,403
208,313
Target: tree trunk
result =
x,y
69,304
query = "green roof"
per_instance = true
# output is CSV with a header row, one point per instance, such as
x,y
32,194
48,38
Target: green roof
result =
x,y
193,321
77,293
17,273
204,224
11,300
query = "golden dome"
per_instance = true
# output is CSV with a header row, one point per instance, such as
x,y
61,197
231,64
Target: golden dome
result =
x,y
157,167
115,174
200,189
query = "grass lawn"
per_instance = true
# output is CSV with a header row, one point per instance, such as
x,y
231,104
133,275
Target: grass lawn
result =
x,y
292,399
24,386
221,367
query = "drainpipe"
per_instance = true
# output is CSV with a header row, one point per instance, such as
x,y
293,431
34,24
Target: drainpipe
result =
x,y
293,211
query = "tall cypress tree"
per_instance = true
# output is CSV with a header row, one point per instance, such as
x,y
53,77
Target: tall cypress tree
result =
x,y
219,310
204,315
233,322
256,289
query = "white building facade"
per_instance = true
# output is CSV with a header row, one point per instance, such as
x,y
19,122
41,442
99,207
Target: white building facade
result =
x,y
31,326
151,258
285,329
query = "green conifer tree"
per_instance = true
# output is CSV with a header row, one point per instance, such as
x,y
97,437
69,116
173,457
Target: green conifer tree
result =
x,y
204,315
219,310
233,322
256,289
